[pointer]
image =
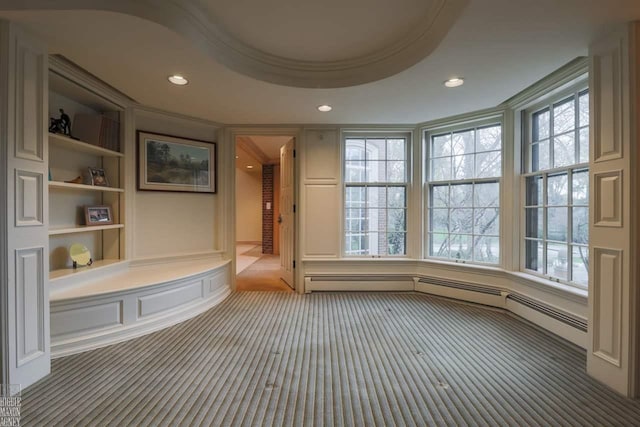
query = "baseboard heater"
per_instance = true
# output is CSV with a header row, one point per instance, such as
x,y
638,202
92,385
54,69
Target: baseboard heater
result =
x,y
360,283
360,278
460,285
549,311
533,304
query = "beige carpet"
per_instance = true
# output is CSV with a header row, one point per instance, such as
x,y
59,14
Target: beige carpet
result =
x,y
246,255
328,359
262,275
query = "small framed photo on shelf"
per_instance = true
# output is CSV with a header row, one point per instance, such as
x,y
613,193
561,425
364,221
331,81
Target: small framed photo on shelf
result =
x,y
97,177
98,215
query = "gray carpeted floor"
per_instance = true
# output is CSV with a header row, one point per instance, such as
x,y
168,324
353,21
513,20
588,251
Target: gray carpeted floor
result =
x,y
352,359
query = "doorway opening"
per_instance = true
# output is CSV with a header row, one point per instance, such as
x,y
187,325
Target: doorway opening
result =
x,y
264,213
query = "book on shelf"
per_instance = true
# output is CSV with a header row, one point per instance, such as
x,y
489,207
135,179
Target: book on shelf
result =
x,y
97,129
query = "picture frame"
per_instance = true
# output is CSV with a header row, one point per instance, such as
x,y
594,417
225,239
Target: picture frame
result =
x,y
97,177
98,215
171,163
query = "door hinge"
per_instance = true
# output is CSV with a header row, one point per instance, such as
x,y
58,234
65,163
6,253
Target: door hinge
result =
x,y
294,208
294,263
294,154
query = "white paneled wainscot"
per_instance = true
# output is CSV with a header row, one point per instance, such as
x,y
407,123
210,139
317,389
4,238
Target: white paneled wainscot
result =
x,y
133,301
321,196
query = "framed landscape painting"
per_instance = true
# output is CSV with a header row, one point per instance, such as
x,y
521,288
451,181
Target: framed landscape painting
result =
x,y
170,163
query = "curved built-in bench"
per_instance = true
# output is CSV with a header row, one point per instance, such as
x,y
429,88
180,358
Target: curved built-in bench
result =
x,y
134,300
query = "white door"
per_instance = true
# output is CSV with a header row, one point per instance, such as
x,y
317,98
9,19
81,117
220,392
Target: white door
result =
x,y
286,218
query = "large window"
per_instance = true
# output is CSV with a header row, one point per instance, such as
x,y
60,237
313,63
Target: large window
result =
x,y
465,167
375,195
556,204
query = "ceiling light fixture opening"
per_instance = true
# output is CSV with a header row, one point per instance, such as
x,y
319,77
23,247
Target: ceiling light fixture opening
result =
x,y
325,108
249,167
177,79
454,82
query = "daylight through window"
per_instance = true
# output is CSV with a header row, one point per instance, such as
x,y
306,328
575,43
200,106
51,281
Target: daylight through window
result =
x,y
375,196
464,194
557,190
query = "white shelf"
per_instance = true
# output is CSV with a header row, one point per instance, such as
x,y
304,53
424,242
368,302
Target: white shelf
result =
x,y
83,229
97,265
83,187
73,144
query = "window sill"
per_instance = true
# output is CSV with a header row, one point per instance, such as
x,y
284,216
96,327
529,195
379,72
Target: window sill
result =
x,y
450,264
347,259
531,279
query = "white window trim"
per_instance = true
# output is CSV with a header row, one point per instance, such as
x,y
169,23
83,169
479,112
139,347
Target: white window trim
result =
x,y
577,86
459,124
408,184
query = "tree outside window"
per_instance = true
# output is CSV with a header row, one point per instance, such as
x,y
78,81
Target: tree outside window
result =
x,y
375,196
464,194
557,190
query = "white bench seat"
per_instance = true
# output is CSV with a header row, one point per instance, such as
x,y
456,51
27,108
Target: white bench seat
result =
x,y
129,301
134,278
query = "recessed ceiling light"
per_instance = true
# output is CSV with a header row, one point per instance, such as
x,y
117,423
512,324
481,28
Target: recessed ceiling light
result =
x,y
325,108
454,82
237,157
249,167
177,79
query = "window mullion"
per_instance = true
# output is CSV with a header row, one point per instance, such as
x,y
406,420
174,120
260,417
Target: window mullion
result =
x,y
545,215
557,170
570,225
552,135
576,144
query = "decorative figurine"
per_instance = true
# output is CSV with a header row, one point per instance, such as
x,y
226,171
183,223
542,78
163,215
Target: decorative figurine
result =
x,y
61,125
80,255
66,122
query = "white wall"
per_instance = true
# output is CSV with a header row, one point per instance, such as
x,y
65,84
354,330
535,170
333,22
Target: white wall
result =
x,y
166,223
248,206
321,194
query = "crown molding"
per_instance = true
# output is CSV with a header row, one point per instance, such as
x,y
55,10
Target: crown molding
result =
x,y
566,75
191,20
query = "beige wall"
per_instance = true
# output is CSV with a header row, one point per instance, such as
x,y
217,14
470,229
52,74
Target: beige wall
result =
x,y
321,190
166,223
248,206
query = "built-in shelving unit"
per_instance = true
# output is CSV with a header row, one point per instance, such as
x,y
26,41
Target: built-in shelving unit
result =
x,y
70,190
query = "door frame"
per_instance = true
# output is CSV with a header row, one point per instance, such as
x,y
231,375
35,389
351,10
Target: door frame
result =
x,y
227,169
287,216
